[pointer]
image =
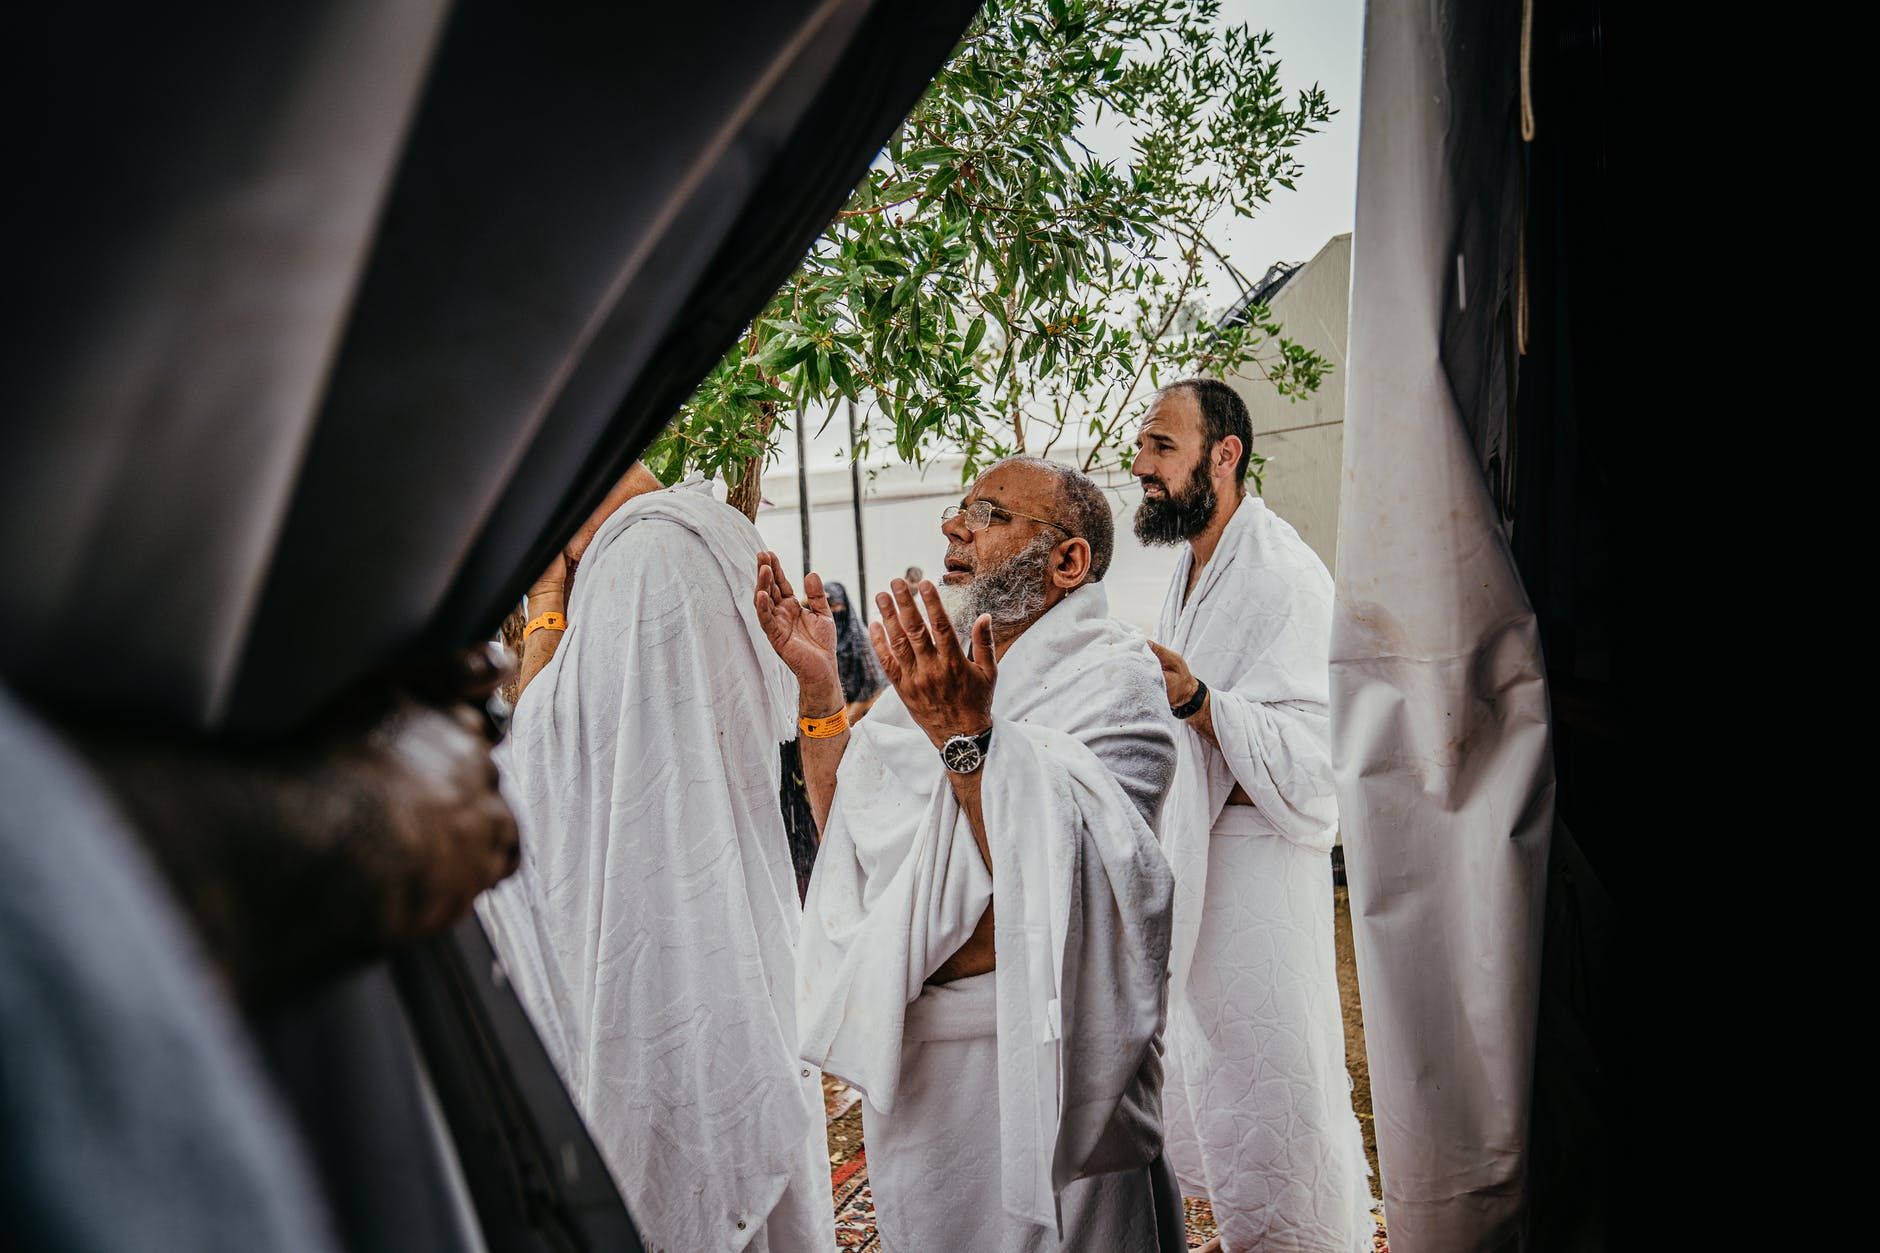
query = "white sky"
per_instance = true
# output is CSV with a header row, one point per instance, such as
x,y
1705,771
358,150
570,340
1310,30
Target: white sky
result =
x,y
1317,41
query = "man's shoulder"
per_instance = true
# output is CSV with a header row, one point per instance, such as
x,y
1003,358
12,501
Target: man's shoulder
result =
x,y
1280,542
1121,677
1269,562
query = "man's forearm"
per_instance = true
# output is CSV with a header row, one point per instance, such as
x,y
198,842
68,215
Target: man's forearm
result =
x,y
540,647
1202,720
822,757
966,788
977,955
276,861
371,827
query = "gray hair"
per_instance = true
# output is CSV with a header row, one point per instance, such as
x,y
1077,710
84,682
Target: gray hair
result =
x,y
1085,511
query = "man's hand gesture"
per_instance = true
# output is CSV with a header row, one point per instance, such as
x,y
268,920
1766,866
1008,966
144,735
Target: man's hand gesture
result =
x,y
946,692
1176,676
802,631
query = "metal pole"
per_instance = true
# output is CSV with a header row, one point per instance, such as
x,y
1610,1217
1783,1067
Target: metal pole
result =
x,y
802,489
855,496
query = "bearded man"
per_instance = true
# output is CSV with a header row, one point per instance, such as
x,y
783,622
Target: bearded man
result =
x,y
1010,1064
1257,1100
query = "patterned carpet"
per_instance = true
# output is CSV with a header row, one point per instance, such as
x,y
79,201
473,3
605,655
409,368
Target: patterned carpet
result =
x,y
855,1207
848,1168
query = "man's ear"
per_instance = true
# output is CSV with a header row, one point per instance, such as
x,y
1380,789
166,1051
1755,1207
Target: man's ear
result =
x,y
1227,454
1070,564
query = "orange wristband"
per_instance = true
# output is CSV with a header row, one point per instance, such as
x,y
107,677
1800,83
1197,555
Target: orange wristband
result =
x,y
545,622
825,728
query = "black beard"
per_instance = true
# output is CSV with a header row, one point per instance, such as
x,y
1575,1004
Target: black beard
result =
x,y
1177,517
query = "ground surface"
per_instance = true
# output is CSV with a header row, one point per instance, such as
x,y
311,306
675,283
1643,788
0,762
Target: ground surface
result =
x,y
848,1161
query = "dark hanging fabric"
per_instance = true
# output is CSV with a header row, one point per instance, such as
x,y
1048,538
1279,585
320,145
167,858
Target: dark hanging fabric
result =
x,y
855,657
798,822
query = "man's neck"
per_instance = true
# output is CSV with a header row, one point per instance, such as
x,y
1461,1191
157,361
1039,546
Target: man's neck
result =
x,y
1003,637
1204,544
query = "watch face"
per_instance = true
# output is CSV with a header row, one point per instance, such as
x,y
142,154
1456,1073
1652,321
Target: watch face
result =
x,y
962,754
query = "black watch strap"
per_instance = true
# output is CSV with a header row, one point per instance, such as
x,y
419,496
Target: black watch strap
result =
x,y
1192,706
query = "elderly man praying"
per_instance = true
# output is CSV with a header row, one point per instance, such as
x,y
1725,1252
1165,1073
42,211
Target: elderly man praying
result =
x,y
985,940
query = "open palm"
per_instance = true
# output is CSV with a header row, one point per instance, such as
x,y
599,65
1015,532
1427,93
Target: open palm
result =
x,y
803,631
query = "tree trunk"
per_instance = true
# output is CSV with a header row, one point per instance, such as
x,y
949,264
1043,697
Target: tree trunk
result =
x,y
748,492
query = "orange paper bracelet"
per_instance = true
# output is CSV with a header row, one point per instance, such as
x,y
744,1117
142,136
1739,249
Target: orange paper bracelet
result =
x,y
825,728
546,622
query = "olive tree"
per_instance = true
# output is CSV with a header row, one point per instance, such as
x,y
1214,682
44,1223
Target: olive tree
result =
x,y
994,285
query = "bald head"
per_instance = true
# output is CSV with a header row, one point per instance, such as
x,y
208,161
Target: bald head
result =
x,y
1076,501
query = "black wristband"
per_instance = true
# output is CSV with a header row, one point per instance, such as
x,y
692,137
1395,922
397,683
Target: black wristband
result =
x,y
1192,706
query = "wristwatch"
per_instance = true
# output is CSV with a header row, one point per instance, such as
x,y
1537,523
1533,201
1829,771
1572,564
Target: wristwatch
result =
x,y
1192,706
964,754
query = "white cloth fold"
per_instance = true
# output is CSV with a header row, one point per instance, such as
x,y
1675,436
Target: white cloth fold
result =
x,y
1258,1103
1257,630
650,930
1081,752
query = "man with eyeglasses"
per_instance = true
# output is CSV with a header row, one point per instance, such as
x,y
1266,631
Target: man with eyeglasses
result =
x,y
1257,1100
985,940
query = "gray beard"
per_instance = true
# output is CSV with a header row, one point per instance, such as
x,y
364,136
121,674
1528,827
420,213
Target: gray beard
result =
x,y
1012,592
956,599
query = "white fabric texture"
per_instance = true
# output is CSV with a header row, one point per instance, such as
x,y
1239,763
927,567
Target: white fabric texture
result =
x,y
934,1163
1440,718
1258,1101
651,927
1081,753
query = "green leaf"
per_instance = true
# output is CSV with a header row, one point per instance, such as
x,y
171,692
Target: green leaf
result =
x,y
928,156
985,202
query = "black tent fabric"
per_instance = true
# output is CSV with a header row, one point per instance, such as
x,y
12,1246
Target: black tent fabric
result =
x,y
327,325
343,318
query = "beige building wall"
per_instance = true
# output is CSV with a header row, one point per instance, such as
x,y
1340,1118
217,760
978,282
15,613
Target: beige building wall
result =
x,y
1305,439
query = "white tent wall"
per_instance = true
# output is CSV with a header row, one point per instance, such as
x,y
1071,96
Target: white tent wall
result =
x,y
1439,706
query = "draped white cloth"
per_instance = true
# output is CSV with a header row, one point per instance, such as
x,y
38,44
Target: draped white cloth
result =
x,y
1258,1102
1067,1067
650,930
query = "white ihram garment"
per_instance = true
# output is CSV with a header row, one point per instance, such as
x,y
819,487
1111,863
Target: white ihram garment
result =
x,y
991,1102
651,926
1257,1101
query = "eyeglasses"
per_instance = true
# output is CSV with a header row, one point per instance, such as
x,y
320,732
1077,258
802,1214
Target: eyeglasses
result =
x,y
983,513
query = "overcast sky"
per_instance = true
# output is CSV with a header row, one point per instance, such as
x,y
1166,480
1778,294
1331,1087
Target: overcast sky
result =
x,y
1317,41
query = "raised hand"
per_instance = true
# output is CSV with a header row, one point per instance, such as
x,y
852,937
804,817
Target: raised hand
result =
x,y
802,630
946,692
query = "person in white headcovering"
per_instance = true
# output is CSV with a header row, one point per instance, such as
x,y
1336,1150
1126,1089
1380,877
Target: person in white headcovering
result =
x,y
1010,1064
650,931
1257,1100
